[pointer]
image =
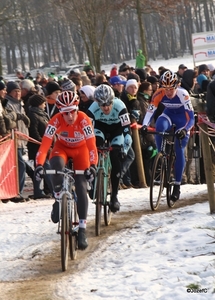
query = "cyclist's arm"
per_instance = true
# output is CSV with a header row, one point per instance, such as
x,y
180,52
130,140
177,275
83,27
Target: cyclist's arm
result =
x,y
125,123
89,135
47,139
189,112
156,99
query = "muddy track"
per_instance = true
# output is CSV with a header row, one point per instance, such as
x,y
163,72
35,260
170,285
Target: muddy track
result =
x,y
48,268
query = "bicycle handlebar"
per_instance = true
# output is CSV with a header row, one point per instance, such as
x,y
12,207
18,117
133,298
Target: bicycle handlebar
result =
x,y
162,133
74,172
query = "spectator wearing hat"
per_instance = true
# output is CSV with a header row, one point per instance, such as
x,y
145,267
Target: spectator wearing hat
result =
x,y
117,85
86,97
129,171
181,69
51,77
140,60
15,103
142,74
39,120
203,78
52,90
212,71
124,70
27,90
154,82
68,85
113,71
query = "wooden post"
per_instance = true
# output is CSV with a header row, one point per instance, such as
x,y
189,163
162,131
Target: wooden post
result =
x,y
138,155
208,166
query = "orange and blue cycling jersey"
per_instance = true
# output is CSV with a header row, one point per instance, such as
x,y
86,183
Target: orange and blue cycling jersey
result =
x,y
178,110
76,141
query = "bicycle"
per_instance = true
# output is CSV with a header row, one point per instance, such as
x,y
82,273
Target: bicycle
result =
x,y
162,170
68,224
102,187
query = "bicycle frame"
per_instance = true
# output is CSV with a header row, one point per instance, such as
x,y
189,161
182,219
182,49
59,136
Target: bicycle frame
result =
x,y
104,164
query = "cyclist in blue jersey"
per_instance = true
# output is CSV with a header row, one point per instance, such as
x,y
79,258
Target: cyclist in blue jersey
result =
x,y
179,111
111,121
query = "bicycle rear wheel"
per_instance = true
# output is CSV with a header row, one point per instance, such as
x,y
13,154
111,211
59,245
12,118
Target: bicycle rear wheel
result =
x,y
170,181
64,233
107,211
157,181
99,200
73,234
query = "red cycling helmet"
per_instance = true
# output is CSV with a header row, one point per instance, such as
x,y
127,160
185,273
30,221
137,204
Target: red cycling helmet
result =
x,y
67,101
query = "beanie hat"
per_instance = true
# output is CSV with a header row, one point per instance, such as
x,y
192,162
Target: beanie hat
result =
x,y
36,100
142,74
152,79
88,90
12,85
68,85
133,76
51,87
131,82
2,85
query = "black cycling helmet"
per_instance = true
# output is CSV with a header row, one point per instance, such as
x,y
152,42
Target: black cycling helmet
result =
x,y
104,95
169,79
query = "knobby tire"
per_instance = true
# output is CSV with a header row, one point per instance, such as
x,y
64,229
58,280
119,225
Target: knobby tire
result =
x,y
99,200
107,211
64,233
158,174
73,245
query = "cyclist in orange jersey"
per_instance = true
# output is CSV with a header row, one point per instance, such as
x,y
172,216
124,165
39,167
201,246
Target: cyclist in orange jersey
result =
x,y
74,139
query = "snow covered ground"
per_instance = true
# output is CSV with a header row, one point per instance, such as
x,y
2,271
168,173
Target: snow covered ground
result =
x,y
164,256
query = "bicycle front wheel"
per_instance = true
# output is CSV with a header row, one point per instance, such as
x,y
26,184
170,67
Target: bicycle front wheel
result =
x,y
99,200
73,224
157,181
64,233
170,181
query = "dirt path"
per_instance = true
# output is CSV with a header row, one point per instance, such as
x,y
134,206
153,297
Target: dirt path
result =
x,y
48,268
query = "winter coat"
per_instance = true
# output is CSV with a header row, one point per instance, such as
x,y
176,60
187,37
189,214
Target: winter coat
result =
x,y
39,120
140,60
148,139
210,101
14,105
131,102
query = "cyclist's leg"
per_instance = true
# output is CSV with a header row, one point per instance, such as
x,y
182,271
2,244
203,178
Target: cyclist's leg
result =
x,y
163,124
116,167
58,159
81,162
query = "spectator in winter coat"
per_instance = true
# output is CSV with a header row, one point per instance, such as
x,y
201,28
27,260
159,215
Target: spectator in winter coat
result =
x,y
27,90
117,85
203,78
113,71
6,123
140,60
39,120
52,91
210,100
148,145
181,69
14,103
86,97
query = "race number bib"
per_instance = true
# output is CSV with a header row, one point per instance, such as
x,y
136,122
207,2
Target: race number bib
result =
x,y
88,131
50,131
125,120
